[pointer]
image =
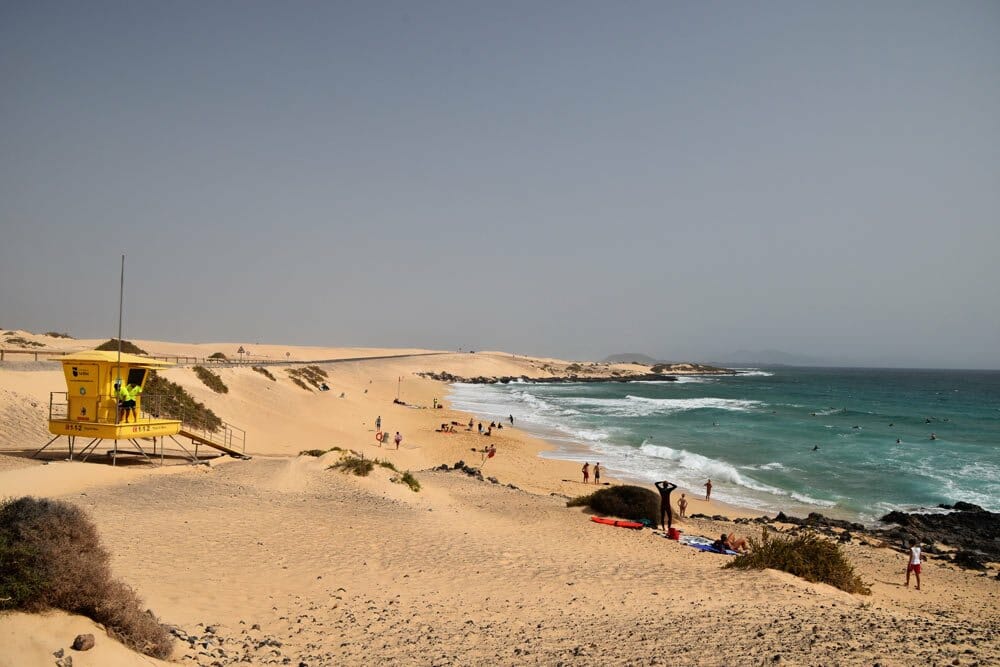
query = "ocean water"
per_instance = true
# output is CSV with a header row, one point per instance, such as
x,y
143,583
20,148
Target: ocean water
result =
x,y
754,434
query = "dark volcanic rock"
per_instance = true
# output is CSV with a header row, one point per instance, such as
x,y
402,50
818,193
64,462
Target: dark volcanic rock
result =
x,y
505,379
969,527
83,642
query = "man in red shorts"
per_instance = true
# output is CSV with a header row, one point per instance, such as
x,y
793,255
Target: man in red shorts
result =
x,y
914,563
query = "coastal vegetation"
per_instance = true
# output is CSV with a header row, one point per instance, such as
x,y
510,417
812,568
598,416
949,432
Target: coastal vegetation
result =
x,y
127,346
173,401
56,334
403,477
22,341
807,555
624,501
266,373
355,465
51,557
211,380
221,356
308,375
319,452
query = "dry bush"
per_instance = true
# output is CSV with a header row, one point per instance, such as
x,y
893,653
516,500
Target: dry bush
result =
x,y
173,401
313,375
112,346
218,355
211,380
807,555
24,342
56,334
52,558
319,452
625,501
266,373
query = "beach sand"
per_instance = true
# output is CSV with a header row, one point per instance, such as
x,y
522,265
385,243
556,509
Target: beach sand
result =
x,y
279,557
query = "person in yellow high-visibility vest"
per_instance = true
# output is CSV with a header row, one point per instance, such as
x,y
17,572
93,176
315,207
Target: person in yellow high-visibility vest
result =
x,y
127,396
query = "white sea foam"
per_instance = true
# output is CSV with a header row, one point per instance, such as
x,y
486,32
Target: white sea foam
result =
x,y
753,372
774,465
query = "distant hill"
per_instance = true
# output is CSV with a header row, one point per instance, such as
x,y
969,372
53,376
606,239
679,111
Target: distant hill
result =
x,y
633,357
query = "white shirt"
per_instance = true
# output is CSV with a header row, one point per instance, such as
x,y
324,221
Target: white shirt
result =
x,y
914,555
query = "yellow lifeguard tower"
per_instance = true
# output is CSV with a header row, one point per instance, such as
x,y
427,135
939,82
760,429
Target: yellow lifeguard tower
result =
x,y
89,408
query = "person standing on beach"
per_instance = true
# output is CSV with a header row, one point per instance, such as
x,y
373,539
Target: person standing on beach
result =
x,y
378,423
665,488
398,439
511,420
586,472
480,428
708,490
597,473
913,565
682,506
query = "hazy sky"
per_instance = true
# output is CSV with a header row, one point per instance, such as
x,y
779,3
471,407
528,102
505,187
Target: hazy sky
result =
x,y
566,178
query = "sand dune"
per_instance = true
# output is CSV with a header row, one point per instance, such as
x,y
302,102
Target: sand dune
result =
x,y
280,557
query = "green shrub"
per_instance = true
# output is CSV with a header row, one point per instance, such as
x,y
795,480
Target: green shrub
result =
x,y
388,464
807,555
627,502
319,452
352,464
217,355
170,400
112,346
411,481
51,557
266,373
211,380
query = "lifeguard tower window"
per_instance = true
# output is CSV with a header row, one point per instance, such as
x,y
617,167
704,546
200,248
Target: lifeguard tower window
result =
x,y
136,376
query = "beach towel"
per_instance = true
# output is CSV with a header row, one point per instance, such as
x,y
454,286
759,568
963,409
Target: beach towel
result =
x,y
704,544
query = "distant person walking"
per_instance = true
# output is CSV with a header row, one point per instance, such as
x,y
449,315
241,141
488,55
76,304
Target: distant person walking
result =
x,y
682,506
708,490
597,473
665,488
511,420
586,472
398,439
480,428
378,423
913,565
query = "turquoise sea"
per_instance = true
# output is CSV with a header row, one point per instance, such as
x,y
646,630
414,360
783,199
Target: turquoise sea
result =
x,y
756,434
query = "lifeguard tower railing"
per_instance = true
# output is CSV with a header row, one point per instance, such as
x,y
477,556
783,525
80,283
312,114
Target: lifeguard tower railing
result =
x,y
225,437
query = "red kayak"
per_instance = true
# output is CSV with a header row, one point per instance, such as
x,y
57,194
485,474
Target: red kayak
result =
x,y
621,523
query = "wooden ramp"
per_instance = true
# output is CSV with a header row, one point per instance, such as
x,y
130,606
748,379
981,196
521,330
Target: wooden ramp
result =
x,y
228,439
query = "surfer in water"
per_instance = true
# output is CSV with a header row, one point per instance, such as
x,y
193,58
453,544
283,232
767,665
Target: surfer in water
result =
x,y
666,510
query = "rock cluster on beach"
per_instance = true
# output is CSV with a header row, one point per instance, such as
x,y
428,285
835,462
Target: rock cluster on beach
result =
x,y
506,379
972,532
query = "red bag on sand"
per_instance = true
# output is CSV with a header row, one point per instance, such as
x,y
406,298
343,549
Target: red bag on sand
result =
x,y
673,533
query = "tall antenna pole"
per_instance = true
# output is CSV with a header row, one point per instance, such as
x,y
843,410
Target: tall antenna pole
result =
x,y
121,301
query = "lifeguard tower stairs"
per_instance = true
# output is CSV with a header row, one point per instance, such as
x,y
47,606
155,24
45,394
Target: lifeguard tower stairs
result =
x,y
89,410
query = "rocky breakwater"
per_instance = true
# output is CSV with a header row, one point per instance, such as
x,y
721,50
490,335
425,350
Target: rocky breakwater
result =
x,y
506,379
